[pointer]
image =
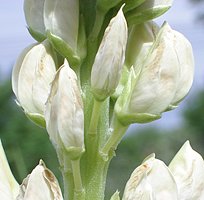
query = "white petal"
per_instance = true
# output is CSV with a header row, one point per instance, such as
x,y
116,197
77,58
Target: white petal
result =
x,y
187,168
62,19
106,70
35,75
184,53
8,186
34,14
151,181
41,184
17,67
158,80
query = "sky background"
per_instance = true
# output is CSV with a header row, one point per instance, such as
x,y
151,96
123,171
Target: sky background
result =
x,y
14,37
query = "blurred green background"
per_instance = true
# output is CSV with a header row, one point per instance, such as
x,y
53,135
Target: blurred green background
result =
x,y
25,143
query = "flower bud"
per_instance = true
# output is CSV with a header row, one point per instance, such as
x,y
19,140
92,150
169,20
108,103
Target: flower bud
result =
x,y
33,10
150,9
159,83
61,19
150,181
64,112
41,184
31,78
8,186
108,63
187,168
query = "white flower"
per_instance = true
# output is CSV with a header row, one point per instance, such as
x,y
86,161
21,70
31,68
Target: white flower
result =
x,y
187,168
64,111
41,184
61,18
152,180
182,180
108,63
31,78
166,75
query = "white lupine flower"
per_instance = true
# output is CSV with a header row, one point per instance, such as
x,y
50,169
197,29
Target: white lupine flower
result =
x,y
33,10
41,184
161,77
108,63
31,77
61,18
8,186
64,110
184,52
187,168
152,180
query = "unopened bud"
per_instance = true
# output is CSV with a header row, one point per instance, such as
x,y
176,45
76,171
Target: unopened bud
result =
x,y
187,168
64,112
151,180
34,10
40,184
31,78
160,81
107,67
61,19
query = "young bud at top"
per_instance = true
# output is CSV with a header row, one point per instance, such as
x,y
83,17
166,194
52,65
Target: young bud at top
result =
x,y
31,78
41,184
33,10
64,112
187,168
110,57
61,19
8,185
151,180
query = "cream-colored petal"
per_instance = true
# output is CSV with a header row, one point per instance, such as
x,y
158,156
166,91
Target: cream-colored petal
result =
x,y
187,168
152,180
9,187
41,184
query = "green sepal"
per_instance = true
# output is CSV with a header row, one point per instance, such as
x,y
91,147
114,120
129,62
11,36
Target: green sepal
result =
x,y
36,35
171,107
131,4
74,153
140,14
115,196
141,118
38,119
106,5
64,49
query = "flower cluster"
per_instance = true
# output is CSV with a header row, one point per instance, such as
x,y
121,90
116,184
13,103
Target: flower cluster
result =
x,y
182,180
97,67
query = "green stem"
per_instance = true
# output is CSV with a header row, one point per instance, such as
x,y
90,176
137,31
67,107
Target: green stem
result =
x,y
95,117
79,193
114,139
68,185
